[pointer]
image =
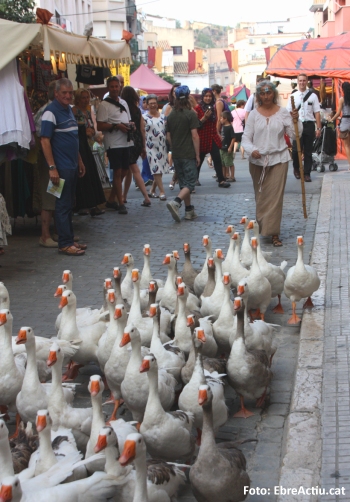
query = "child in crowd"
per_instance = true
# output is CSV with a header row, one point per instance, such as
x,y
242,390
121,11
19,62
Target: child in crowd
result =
x,y
226,152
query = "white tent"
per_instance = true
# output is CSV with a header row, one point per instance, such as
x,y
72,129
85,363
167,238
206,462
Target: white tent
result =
x,y
75,49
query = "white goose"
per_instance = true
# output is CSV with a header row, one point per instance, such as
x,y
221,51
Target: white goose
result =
x,y
188,273
187,398
106,342
77,419
127,284
237,271
274,274
210,285
89,335
259,286
34,395
167,435
246,250
166,317
226,324
96,388
226,264
211,305
169,357
12,368
135,385
143,324
146,275
201,279
167,295
117,363
259,335
301,282
4,297
248,371
152,480
117,275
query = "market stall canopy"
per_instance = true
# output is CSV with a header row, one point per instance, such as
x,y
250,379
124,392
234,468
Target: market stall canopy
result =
x,y
144,78
76,49
317,57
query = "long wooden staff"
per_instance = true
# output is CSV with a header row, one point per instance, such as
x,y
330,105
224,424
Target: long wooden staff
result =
x,y
296,129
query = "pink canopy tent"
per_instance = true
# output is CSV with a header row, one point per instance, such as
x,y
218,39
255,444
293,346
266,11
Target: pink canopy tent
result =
x,y
144,78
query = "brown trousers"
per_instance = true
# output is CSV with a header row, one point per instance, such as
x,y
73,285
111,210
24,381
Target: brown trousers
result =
x,y
269,201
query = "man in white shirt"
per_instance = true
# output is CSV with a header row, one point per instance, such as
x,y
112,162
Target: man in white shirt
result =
x,y
113,119
309,113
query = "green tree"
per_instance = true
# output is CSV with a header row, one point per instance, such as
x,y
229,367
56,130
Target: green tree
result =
x,y
21,11
167,78
134,66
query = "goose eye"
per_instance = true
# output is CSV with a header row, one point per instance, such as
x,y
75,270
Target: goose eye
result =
x,y
139,440
2,425
16,484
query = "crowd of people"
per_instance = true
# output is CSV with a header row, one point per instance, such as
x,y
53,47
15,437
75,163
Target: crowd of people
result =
x,y
130,132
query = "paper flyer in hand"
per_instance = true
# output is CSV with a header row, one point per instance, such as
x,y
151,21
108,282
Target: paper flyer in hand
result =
x,y
55,190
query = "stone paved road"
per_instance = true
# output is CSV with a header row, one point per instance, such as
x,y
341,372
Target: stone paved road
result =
x,y
32,273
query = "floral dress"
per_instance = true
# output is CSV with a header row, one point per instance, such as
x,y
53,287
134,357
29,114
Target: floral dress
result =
x,y
155,143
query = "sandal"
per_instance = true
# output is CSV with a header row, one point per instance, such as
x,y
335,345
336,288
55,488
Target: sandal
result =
x,y
276,242
162,197
153,195
146,204
71,251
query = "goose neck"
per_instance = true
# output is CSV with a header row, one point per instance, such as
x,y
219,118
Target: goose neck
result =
x,y
31,377
300,260
69,319
140,494
112,466
136,357
156,330
170,280
240,325
153,396
208,444
46,453
56,385
6,464
198,365
97,414
6,344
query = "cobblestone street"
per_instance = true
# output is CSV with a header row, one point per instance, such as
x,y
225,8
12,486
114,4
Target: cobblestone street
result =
x,y
32,273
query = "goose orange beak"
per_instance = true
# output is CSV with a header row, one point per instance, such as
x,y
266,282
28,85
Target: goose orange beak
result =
x,y
21,337
176,255
166,260
129,453
40,423
226,279
190,321
229,229
146,250
201,335
235,236
101,444
125,260
152,311
58,292
180,291
300,240
211,262
152,287
237,303
125,340
52,359
108,283
144,366
63,302
117,313
65,277
6,493
116,272
250,225
186,247
135,275
254,242
202,397
111,297
240,289
94,387
205,240
243,220
3,319
220,254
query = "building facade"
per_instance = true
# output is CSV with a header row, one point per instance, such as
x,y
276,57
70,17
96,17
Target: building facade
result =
x,y
331,17
71,15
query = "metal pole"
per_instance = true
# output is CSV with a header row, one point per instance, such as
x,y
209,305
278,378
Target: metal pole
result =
x,y
301,167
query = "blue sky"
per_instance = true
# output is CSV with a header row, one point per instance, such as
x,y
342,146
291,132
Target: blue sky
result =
x,y
216,13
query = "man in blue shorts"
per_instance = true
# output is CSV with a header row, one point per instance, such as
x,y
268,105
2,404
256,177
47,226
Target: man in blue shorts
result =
x,y
183,137
60,144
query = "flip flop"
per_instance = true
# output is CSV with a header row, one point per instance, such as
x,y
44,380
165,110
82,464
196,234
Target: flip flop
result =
x,y
153,195
146,204
71,251
162,197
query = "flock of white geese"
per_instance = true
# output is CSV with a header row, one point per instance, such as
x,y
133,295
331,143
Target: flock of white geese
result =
x,y
156,344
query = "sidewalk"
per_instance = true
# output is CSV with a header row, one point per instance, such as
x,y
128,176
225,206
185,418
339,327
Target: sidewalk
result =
x,y
317,443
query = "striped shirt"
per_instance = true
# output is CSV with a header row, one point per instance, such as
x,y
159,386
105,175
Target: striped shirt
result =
x,y
59,124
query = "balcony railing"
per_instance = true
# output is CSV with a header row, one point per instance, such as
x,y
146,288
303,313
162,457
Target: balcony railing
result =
x,y
131,10
317,5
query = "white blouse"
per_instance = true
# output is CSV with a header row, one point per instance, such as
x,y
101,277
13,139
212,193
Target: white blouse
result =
x,y
266,134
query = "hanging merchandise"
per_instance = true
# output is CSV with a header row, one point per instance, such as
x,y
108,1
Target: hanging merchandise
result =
x,y
44,74
92,75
